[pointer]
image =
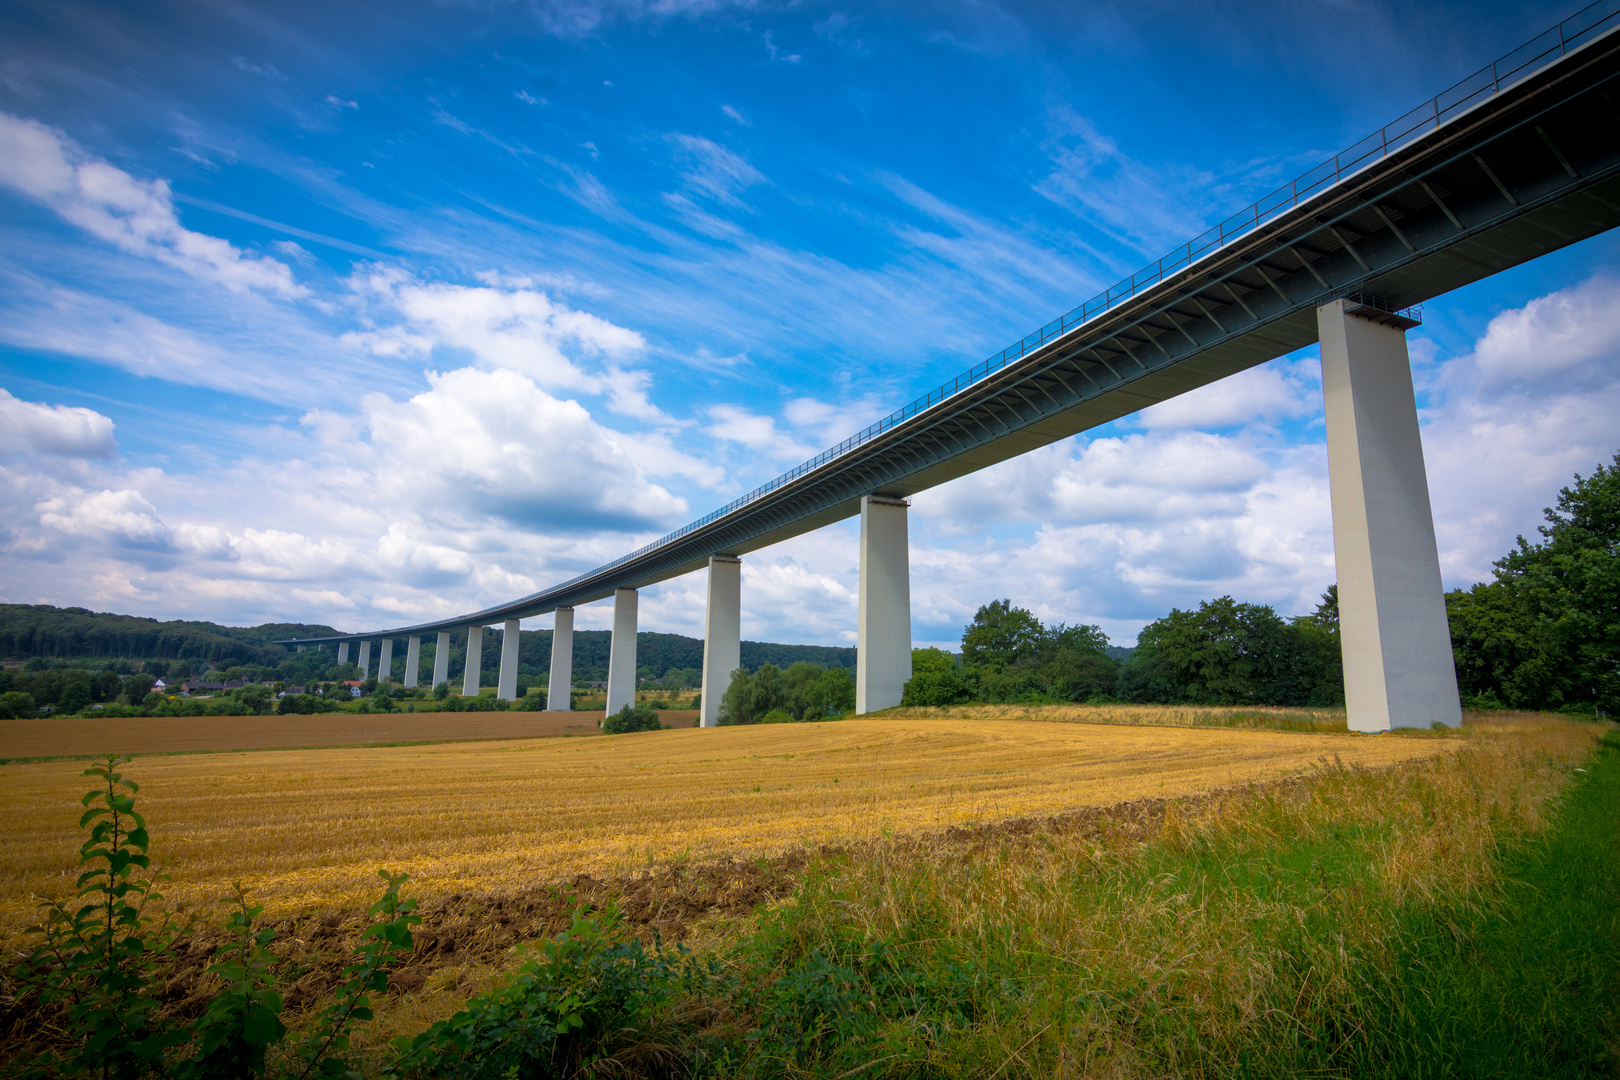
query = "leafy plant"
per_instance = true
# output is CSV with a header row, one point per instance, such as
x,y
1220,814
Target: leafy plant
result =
x,y
101,963
632,718
594,1001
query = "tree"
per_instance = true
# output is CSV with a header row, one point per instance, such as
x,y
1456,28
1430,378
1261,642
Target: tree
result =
x,y
1546,633
74,696
937,678
1001,635
632,718
1227,653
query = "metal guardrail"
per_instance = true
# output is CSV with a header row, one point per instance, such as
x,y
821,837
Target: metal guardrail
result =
x,y
1534,55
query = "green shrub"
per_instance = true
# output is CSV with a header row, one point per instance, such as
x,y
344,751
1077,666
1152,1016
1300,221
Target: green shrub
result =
x,y
597,1002
632,718
778,716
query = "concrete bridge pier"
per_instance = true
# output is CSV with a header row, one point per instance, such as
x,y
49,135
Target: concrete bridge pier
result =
x,y
558,698
343,652
413,660
385,661
722,634
441,659
883,662
506,690
1398,666
621,689
365,660
475,661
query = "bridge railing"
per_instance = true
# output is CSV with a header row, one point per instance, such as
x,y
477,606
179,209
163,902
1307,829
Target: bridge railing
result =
x,y
1546,48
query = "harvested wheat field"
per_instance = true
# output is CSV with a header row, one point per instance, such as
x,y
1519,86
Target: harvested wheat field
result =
x,y
308,830
55,737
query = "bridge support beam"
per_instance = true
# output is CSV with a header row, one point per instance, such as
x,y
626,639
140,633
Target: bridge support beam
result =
x,y
385,661
475,661
343,652
365,660
722,634
441,659
506,689
413,660
1398,666
883,662
558,693
621,688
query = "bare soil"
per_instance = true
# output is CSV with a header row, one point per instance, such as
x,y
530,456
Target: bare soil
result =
x,y
54,737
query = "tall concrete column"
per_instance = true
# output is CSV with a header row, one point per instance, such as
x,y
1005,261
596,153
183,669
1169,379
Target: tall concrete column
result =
x,y
506,689
722,634
441,659
413,660
343,652
301,648
621,689
385,661
365,660
1398,665
883,659
558,698
475,661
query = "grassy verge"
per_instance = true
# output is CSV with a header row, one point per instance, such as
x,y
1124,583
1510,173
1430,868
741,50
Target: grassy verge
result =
x,y
1419,921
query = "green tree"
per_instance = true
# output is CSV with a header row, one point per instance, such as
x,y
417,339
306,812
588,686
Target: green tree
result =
x,y
1551,634
1001,635
1228,653
937,678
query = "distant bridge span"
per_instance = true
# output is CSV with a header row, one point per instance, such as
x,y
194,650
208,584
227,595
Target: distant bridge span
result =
x,y
1520,159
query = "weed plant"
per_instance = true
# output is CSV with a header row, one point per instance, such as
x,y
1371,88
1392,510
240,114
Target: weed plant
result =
x,y
97,977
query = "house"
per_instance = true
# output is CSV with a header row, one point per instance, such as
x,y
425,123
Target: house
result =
x,y
160,685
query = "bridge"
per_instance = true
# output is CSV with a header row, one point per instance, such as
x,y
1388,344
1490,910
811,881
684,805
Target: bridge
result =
x,y
1517,160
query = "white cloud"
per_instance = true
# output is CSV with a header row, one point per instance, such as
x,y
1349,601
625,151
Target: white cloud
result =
x,y
493,444
68,431
736,115
1552,337
136,216
1279,390
736,424
516,328
122,517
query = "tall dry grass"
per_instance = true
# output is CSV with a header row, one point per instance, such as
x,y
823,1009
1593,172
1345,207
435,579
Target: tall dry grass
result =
x,y
1272,717
1270,924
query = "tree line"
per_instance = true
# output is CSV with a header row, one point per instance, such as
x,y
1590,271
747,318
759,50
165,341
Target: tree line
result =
x,y
1543,634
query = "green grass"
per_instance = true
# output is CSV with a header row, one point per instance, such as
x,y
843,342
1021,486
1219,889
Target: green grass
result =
x,y
1533,991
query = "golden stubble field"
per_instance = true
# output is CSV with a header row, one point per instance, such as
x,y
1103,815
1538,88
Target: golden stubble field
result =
x,y
307,830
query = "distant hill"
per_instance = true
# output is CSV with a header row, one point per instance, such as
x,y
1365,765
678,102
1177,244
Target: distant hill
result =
x,y
73,633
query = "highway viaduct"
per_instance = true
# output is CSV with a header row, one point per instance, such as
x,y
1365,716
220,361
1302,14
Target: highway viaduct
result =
x,y
1520,159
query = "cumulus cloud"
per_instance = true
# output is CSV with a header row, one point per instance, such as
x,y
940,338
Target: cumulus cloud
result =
x,y
493,444
733,423
1551,338
518,328
1280,390
137,216
64,430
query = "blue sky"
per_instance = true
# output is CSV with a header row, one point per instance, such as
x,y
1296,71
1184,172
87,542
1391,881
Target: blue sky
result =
x,y
363,313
